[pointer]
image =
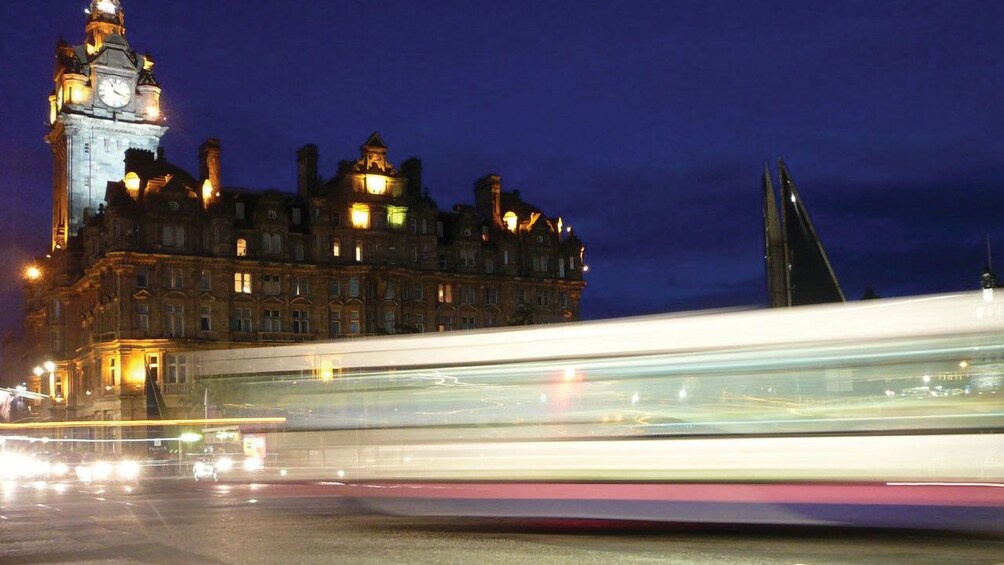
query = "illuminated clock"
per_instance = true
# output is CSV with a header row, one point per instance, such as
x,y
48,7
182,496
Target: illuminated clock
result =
x,y
114,92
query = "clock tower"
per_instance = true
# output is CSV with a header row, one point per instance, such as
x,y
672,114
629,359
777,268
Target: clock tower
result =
x,y
105,100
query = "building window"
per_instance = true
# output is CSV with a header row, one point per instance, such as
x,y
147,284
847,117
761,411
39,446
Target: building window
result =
x,y
241,320
205,280
419,292
505,256
571,262
142,276
467,323
412,225
112,372
360,216
354,325
439,229
390,291
468,258
353,287
489,265
271,284
175,278
335,290
389,321
543,298
396,216
143,316
271,243
172,236
176,368
336,219
334,322
540,263
359,251
271,322
301,323
420,323
336,248
242,247
239,209
205,318
445,293
491,295
443,263
296,216
521,295
174,319
509,219
301,285
468,294
242,283
563,299
298,251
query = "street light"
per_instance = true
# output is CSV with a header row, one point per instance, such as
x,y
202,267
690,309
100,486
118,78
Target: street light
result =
x,y
32,272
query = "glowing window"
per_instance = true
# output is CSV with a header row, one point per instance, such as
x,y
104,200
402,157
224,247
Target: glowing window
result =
x,y
132,182
242,247
396,216
360,216
336,248
376,184
510,221
242,283
359,251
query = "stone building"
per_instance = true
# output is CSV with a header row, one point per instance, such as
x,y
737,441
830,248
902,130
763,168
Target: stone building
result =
x,y
166,262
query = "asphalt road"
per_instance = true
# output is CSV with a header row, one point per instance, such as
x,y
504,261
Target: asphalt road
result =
x,y
175,521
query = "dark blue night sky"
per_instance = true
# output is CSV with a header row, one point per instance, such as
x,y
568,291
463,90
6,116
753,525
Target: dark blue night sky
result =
x,y
645,125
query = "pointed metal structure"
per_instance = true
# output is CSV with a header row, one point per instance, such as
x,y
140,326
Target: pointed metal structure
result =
x,y
798,269
773,238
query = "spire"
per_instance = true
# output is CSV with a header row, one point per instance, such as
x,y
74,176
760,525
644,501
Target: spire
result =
x,y
774,256
105,17
811,279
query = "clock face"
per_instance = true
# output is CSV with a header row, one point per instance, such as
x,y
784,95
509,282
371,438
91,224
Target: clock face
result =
x,y
114,92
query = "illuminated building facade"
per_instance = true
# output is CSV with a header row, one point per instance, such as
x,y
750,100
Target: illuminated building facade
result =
x,y
169,262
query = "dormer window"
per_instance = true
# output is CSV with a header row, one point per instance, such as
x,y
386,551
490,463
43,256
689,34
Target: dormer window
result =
x,y
510,221
376,184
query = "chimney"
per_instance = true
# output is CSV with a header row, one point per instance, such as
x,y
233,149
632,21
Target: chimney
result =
x,y
209,162
487,198
306,170
412,171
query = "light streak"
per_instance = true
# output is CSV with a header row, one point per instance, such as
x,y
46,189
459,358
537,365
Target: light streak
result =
x,y
141,423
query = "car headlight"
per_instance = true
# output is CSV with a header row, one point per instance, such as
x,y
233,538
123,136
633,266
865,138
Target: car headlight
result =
x,y
59,469
252,464
128,470
225,464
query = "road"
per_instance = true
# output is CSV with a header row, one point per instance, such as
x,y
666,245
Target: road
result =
x,y
176,521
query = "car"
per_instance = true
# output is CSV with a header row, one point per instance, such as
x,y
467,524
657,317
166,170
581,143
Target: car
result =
x,y
108,470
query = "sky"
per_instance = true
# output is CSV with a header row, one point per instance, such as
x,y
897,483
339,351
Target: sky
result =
x,y
644,125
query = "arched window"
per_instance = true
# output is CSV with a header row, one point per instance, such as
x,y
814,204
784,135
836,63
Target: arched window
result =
x,y
242,247
510,221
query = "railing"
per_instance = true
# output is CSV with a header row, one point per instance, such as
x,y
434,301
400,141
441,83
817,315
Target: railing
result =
x,y
176,388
